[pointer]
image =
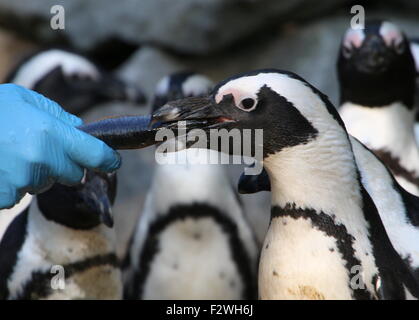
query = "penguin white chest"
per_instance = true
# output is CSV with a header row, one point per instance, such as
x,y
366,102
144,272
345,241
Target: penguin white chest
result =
x,y
301,262
194,261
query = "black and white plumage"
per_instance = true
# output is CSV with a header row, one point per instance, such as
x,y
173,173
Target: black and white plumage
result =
x,y
377,74
382,118
324,224
64,226
72,80
414,48
192,240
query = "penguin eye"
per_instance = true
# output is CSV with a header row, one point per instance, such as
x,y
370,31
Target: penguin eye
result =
x,y
399,47
247,104
347,52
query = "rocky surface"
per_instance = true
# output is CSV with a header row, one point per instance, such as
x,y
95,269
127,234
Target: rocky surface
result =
x,y
12,49
189,26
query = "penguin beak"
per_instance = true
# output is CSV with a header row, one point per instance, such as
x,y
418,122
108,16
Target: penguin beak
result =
x,y
196,112
105,211
99,202
374,56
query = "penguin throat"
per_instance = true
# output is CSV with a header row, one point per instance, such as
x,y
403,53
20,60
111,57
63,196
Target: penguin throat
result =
x,y
316,175
377,90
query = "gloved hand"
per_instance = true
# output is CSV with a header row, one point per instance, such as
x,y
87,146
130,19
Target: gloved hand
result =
x,y
39,145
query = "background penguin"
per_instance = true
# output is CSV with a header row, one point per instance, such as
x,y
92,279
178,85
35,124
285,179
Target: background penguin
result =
x,y
324,225
377,74
71,80
192,239
68,227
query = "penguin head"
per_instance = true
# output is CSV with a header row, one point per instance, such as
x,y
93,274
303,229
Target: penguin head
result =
x,y
287,108
376,66
181,85
72,80
84,206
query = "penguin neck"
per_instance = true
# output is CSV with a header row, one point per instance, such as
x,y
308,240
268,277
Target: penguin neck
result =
x,y
385,129
319,175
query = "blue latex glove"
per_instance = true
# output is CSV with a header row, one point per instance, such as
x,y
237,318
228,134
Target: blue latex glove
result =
x,y
39,145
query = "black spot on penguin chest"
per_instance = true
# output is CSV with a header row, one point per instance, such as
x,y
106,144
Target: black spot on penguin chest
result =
x,y
195,211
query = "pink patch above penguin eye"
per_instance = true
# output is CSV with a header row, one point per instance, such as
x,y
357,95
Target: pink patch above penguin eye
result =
x,y
391,34
353,38
242,100
235,93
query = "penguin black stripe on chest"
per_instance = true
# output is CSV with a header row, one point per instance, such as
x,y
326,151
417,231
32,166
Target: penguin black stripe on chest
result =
x,y
326,224
195,212
40,285
314,176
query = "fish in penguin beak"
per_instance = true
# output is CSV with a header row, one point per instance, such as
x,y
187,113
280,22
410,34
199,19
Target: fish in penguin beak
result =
x,y
198,112
218,119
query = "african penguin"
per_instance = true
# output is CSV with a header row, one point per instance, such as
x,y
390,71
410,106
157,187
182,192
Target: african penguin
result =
x,y
192,240
68,229
70,79
376,74
326,239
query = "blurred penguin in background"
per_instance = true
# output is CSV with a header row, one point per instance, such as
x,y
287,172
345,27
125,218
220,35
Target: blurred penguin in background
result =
x,y
73,81
377,76
62,245
192,240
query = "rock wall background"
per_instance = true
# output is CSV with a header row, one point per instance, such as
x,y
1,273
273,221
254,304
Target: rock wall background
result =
x,y
144,40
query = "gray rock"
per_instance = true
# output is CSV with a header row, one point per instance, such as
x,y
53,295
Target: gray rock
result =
x,y
190,26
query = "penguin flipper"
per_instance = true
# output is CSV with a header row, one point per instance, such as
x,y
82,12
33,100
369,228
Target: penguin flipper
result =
x,y
249,184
